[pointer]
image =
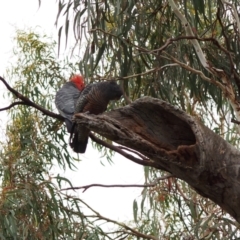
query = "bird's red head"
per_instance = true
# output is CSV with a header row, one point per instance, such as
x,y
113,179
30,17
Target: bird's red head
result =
x,y
78,80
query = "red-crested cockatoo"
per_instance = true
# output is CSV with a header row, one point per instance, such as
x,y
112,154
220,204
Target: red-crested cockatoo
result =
x,y
66,98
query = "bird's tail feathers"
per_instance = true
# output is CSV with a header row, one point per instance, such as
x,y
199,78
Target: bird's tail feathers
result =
x,y
77,146
77,141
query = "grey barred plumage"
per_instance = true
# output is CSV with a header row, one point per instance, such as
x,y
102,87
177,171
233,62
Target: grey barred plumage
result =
x,y
65,102
94,100
67,96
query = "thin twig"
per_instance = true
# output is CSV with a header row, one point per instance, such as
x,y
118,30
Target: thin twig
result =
x,y
123,40
125,96
156,69
133,231
143,162
181,193
86,187
12,105
135,152
198,72
100,217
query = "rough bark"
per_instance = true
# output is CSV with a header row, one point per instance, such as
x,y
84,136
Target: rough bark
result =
x,y
177,143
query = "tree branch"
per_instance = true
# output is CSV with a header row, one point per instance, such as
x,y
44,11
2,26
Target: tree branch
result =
x,y
86,187
235,121
132,231
28,102
12,105
97,215
225,85
175,142
119,185
144,161
198,72
132,151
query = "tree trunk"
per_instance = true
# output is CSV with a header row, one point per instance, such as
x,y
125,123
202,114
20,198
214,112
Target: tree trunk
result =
x,y
178,143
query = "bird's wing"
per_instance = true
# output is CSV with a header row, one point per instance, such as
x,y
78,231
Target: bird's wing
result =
x,y
83,98
65,100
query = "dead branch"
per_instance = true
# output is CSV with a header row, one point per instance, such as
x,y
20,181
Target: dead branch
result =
x,y
86,187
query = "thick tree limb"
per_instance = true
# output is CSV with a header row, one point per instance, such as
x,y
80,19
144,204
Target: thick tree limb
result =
x,y
177,143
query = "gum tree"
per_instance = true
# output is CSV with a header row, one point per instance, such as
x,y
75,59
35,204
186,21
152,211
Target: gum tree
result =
x,y
179,118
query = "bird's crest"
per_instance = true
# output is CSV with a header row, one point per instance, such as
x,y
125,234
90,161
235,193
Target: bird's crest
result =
x,y
78,80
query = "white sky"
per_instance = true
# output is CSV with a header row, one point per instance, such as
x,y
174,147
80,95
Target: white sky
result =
x,y
115,203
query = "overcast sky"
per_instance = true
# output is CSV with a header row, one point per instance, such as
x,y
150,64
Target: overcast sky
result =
x,y
114,203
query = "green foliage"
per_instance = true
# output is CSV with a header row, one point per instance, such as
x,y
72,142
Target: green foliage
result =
x,y
32,207
123,41
32,204
126,41
175,211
